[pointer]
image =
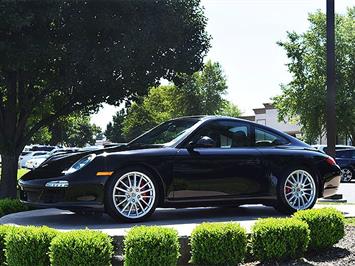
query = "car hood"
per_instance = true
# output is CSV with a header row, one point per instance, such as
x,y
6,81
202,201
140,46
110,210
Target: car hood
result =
x,y
56,164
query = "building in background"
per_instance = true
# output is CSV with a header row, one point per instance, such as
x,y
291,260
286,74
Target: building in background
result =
x,y
268,116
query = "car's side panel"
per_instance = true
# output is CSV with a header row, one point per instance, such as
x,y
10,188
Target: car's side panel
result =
x,y
217,172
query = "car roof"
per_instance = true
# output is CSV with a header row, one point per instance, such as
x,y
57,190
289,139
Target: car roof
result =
x,y
204,118
214,117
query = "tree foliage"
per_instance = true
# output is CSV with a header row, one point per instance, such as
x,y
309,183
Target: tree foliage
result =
x,y
113,130
73,131
198,94
59,57
305,96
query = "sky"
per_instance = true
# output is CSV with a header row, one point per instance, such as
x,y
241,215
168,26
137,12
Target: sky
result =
x,y
244,35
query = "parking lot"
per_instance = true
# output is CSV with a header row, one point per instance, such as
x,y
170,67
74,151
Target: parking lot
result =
x,y
348,191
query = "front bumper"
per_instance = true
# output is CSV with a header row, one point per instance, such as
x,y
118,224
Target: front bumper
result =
x,y
77,196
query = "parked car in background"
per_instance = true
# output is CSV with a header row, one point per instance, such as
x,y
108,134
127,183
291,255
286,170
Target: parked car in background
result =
x,y
36,161
63,151
324,148
346,160
27,155
41,148
185,162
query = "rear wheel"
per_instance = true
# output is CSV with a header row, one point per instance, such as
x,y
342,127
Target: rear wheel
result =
x,y
296,191
346,175
132,195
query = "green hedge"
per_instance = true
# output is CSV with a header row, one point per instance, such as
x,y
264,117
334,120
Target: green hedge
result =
x,y
8,206
4,229
326,225
218,244
151,245
279,238
28,246
81,247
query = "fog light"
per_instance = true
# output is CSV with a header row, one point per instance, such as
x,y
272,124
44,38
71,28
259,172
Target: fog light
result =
x,y
59,183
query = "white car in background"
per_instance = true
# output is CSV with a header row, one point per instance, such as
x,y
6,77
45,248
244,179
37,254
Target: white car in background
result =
x,y
36,161
25,156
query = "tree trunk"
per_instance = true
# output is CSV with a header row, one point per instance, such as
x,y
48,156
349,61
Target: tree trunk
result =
x,y
9,176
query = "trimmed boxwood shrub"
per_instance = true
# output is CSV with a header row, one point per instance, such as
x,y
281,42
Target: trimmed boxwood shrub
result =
x,y
8,206
28,245
4,229
151,245
279,238
218,244
81,247
326,225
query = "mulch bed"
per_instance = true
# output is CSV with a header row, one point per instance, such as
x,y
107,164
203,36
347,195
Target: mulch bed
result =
x,y
341,254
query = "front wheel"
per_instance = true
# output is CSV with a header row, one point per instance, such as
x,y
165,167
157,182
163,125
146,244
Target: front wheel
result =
x,y
296,191
131,196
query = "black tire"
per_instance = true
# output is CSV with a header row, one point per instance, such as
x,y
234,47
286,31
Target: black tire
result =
x,y
110,206
282,205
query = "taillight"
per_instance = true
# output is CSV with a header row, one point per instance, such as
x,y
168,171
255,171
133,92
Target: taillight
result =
x,y
330,161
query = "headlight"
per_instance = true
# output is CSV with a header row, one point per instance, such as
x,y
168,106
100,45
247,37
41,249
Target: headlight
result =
x,y
80,164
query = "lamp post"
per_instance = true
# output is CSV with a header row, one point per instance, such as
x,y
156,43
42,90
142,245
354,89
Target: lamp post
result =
x,y
331,92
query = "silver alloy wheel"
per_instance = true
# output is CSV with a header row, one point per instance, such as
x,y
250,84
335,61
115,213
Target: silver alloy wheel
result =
x,y
300,190
133,195
346,175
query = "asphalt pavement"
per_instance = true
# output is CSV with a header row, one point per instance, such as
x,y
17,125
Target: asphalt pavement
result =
x,y
348,191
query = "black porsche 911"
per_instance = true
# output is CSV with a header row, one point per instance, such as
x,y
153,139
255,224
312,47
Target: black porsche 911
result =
x,y
186,162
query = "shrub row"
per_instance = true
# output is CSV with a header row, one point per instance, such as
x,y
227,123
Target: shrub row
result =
x,y
42,246
211,243
226,243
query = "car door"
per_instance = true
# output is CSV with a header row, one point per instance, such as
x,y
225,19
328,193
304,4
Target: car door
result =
x,y
231,168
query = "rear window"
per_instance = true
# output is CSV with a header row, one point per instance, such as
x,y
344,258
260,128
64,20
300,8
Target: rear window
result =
x,y
265,138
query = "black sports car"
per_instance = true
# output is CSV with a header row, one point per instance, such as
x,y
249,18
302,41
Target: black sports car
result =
x,y
185,162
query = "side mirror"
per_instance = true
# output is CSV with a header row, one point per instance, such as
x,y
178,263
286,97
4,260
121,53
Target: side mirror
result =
x,y
203,142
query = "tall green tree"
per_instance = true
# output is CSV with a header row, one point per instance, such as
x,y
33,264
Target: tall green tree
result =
x,y
59,57
197,94
304,97
74,130
114,130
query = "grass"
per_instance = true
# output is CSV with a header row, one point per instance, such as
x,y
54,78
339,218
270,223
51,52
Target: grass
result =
x,y
334,203
20,172
350,221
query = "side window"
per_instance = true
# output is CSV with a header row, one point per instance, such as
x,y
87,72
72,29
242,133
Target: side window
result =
x,y
265,138
226,134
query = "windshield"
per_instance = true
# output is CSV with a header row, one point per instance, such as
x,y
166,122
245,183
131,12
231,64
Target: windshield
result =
x,y
166,133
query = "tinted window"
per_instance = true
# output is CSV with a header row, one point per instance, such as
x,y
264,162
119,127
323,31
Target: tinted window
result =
x,y
265,138
166,133
226,134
